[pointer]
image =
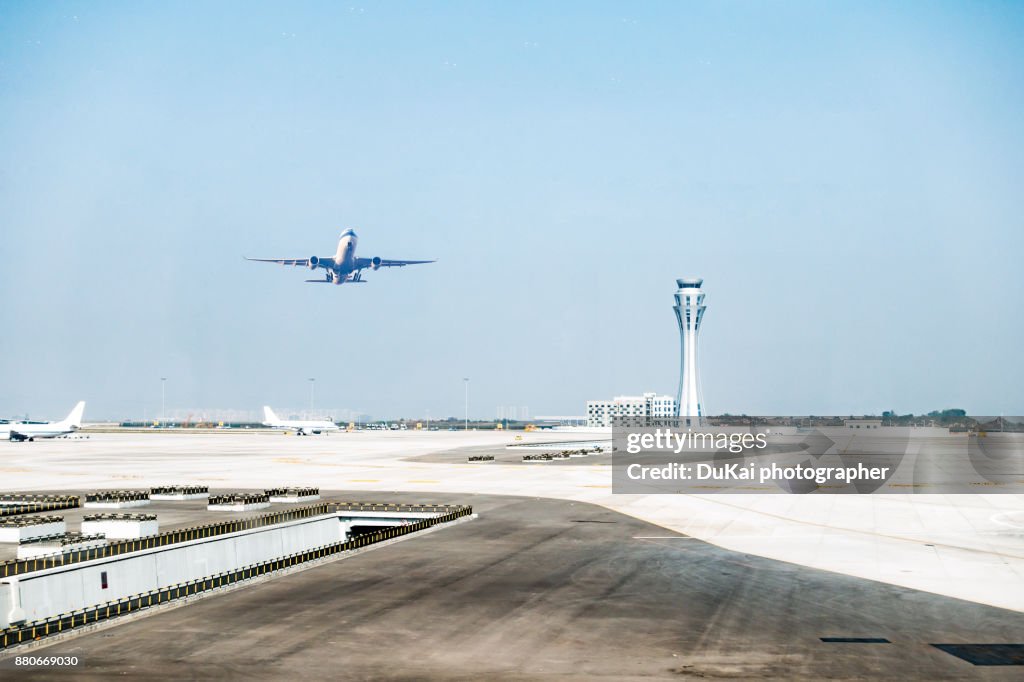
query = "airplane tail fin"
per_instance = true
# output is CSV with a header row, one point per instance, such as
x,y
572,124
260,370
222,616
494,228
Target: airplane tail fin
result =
x,y
268,414
75,418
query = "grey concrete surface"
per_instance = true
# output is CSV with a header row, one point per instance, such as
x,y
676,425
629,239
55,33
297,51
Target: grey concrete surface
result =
x,y
549,589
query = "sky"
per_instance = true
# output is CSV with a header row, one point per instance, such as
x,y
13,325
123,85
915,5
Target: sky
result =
x,y
846,177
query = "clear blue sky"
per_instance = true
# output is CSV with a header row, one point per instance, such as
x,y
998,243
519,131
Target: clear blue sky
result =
x,y
845,176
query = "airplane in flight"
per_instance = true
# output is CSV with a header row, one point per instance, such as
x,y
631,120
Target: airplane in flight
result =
x,y
300,427
29,430
343,266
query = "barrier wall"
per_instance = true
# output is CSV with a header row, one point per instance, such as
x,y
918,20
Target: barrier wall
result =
x,y
68,588
37,629
173,537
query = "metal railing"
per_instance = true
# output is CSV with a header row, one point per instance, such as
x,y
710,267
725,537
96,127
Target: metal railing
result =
x,y
395,507
69,502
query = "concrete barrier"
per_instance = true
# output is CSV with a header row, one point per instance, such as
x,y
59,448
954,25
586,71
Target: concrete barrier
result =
x,y
236,502
22,595
58,545
121,526
293,495
66,588
19,529
116,499
179,492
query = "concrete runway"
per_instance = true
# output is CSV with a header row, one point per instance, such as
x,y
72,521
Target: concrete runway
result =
x,y
541,588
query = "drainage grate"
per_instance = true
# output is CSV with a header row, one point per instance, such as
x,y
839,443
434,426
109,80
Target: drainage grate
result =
x,y
856,640
986,654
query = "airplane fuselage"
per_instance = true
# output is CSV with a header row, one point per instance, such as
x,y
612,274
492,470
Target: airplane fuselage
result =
x,y
30,430
301,427
33,430
342,267
345,257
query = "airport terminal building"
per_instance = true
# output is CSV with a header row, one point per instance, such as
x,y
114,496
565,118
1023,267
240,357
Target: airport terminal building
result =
x,y
601,412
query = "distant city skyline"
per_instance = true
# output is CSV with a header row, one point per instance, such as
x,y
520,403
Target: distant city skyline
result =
x,y
845,177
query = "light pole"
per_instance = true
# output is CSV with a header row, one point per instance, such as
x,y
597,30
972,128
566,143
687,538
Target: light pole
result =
x,y
312,397
466,379
163,401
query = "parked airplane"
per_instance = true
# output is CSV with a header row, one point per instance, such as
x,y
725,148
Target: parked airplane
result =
x,y
343,266
300,427
28,430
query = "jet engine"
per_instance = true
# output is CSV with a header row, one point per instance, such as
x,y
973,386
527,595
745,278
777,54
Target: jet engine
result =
x,y
313,261
375,263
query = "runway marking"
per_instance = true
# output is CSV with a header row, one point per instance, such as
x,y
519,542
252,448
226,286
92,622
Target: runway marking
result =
x,y
364,480
1005,519
419,481
663,537
595,486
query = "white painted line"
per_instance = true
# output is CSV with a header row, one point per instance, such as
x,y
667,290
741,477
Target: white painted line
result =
x,y
663,537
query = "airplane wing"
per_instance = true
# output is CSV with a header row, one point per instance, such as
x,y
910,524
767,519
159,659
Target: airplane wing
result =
x,y
325,262
386,263
303,262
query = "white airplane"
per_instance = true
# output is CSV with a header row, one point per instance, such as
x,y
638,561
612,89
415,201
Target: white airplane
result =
x,y
300,427
343,266
28,430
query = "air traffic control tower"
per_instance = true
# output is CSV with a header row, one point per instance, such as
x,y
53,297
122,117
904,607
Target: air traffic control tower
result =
x,y
689,309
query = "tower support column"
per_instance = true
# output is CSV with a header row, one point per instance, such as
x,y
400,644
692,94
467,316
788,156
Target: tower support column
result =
x,y
689,309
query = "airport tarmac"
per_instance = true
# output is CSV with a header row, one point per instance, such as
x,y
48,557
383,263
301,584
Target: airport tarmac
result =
x,y
541,588
969,547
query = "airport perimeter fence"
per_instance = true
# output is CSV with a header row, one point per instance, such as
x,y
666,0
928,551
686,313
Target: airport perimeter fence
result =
x,y
37,630
70,502
171,537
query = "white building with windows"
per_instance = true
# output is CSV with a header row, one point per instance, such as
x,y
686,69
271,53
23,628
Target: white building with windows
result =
x,y
601,412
